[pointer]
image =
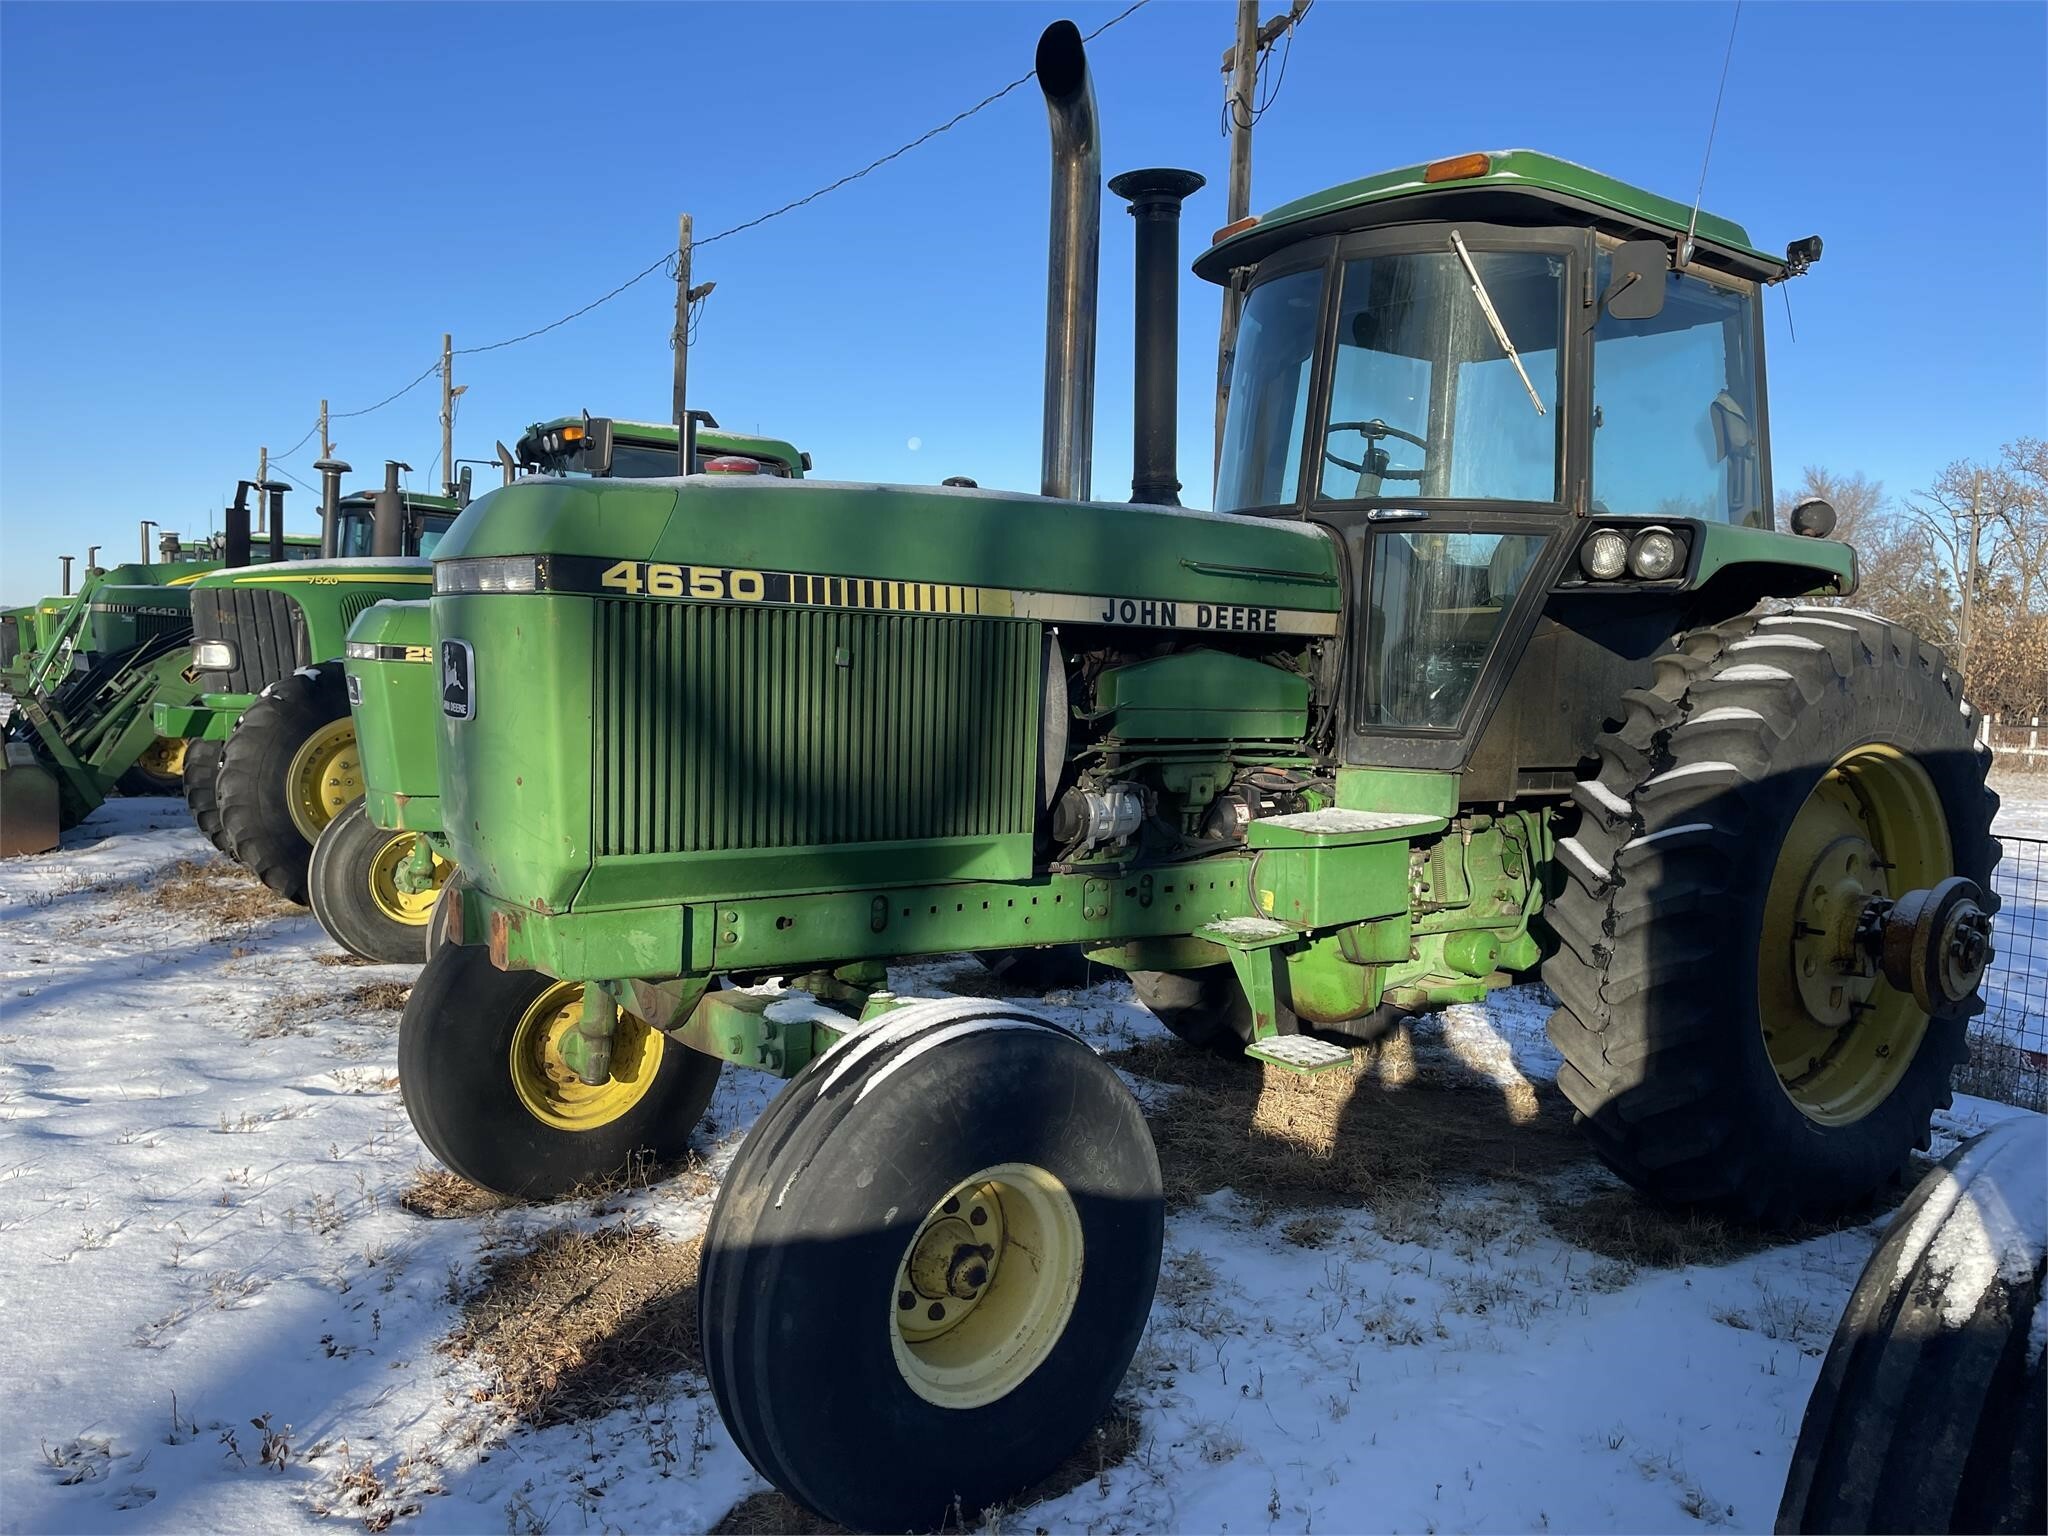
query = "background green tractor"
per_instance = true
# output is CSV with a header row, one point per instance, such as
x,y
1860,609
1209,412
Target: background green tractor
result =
x,y
1490,659
270,748
378,868
101,659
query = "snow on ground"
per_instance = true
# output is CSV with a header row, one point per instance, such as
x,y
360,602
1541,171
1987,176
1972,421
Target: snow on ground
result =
x,y
220,1315
2023,804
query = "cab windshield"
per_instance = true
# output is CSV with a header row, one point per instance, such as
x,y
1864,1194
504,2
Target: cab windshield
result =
x,y
354,531
1423,401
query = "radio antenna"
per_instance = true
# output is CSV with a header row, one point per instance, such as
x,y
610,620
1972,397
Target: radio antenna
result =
x,y
1685,255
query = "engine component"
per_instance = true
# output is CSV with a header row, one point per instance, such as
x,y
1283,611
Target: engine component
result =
x,y
1231,812
1091,816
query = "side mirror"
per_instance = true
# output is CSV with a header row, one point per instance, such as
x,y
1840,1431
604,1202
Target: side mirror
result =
x,y
1635,280
597,444
462,485
1813,518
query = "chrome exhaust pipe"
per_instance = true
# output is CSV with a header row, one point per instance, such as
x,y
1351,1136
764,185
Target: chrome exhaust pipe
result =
x,y
1071,264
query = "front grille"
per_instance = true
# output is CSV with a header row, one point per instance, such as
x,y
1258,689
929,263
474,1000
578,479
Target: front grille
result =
x,y
723,727
267,628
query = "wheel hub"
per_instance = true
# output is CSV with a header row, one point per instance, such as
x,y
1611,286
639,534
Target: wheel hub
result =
x,y
1934,943
1834,972
950,1264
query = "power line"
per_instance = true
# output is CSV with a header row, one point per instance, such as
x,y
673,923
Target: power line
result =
x,y
668,258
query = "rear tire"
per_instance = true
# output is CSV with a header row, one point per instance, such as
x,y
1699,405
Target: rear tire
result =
x,y
202,799
1691,1074
289,767
1931,1411
491,1102
354,895
882,1416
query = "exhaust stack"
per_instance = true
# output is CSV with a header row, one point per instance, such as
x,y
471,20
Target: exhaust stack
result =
x,y
387,533
1072,263
67,559
276,490
235,529
1155,197
331,471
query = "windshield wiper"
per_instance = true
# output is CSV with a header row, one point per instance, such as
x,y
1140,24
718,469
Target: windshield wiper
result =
x,y
1500,332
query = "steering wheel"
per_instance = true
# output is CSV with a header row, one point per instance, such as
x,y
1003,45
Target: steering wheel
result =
x,y
1374,462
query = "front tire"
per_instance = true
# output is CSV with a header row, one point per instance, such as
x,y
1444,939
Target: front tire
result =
x,y
486,1088
1782,772
930,1265
159,771
201,780
289,768
352,883
1931,1411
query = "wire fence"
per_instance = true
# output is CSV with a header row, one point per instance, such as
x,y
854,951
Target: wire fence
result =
x,y
2009,1044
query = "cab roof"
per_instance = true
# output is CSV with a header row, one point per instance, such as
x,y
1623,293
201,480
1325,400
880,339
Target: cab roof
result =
x,y
662,434
1507,186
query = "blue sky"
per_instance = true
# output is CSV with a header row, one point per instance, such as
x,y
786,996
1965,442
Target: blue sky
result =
x,y
212,216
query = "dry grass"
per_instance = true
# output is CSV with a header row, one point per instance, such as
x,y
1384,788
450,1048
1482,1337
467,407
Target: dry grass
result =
x,y
579,1324
1374,1133
439,1195
378,997
1397,1137
223,894
340,957
1108,1445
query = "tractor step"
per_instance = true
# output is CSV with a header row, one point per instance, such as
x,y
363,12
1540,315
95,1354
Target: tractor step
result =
x,y
1298,1053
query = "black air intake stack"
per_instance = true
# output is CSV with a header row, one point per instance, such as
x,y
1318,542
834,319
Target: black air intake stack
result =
x,y
1072,263
235,530
1155,197
331,471
387,536
275,489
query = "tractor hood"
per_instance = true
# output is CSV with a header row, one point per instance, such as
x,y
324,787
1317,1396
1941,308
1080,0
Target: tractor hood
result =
x,y
929,536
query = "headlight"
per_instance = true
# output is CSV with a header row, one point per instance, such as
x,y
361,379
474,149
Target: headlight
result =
x,y
213,655
499,573
1604,556
360,650
1655,554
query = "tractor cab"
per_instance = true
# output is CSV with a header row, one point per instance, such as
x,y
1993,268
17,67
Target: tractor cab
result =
x,y
424,520
1508,384
599,447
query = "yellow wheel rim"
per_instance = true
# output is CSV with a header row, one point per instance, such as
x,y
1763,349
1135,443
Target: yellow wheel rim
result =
x,y
986,1286
325,774
1839,1035
412,908
165,756
551,1091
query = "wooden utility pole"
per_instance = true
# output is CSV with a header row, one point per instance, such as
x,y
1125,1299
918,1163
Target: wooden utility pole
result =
x,y
1241,63
685,453
447,414
326,447
1970,578
262,478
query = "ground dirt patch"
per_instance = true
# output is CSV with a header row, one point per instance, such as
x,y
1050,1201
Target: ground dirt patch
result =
x,y
379,996
439,1195
221,894
1380,1130
1111,1441
575,1325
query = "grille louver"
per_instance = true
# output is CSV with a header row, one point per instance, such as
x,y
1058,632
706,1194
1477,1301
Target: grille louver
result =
x,y
724,727
266,628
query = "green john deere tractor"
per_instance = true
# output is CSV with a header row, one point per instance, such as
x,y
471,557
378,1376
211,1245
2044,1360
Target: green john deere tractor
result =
x,y
99,661
270,749
379,866
1490,661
